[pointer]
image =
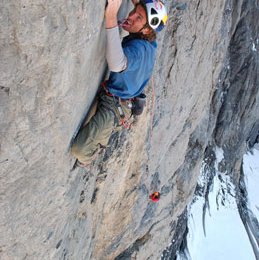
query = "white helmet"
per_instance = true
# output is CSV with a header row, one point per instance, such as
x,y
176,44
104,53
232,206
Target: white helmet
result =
x,y
156,13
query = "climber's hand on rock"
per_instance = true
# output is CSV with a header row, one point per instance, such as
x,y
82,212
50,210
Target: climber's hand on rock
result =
x,y
111,12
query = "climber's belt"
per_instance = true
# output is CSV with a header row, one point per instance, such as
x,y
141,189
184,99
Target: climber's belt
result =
x,y
117,100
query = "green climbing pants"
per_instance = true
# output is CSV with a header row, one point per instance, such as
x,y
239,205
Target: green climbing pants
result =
x,y
98,129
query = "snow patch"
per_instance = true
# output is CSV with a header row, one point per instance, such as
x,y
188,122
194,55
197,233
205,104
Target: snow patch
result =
x,y
219,155
253,47
251,172
215,228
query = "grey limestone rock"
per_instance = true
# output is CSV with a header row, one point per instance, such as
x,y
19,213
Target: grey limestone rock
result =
x,y
204,89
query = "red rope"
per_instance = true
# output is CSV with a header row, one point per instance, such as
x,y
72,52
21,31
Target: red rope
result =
x,y
153,107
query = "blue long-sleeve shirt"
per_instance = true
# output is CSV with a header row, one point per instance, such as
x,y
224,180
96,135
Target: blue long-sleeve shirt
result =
x,y
140,63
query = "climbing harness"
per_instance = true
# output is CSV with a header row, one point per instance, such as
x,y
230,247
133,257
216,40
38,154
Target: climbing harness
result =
x,y
124,121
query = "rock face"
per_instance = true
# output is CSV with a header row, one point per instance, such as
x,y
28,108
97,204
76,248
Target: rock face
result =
x,y
52,61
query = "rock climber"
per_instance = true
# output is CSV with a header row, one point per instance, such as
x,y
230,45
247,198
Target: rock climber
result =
x,y
131,64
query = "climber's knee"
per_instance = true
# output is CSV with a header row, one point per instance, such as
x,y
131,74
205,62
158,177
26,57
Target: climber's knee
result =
x,y
82,153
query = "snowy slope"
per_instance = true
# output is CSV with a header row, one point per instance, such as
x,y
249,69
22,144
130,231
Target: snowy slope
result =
x,y
215,229
251,170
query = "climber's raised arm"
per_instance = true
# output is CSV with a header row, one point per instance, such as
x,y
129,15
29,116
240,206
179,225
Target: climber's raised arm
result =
x,y
115,56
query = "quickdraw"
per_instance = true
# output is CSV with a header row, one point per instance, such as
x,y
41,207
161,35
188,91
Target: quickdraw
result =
x,y
123,121
125,124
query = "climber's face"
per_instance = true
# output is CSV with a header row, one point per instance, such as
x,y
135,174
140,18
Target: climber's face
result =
x,y
136,20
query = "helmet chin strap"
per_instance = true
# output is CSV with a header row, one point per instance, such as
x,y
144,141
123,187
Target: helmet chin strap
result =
x,y
144,27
